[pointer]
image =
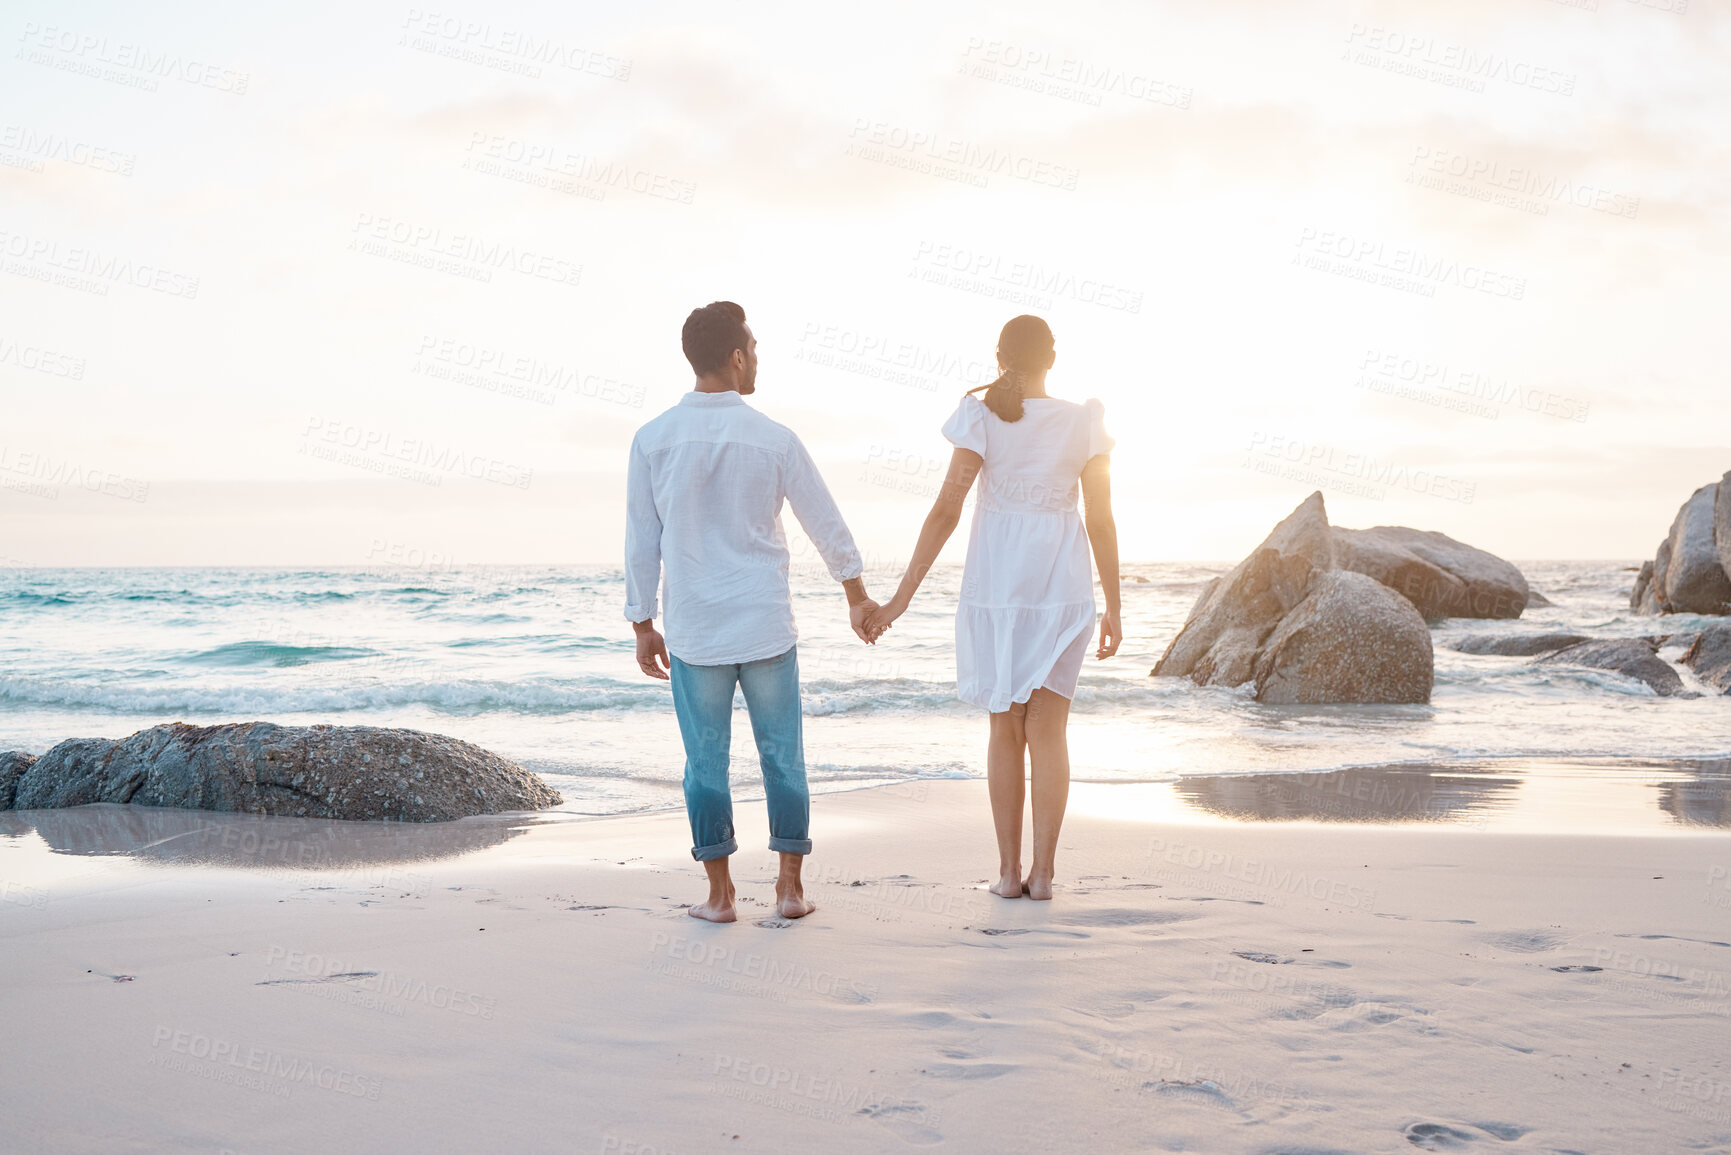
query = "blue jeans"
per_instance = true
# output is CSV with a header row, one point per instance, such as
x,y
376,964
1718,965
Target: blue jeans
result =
x,y
703,699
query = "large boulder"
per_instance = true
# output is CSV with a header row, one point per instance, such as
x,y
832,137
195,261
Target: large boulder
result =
x,y
1351,639
1301,629
1710,657
1632,657
349,772
1516,645
1232,617
1442,577
1689,575
1722,521
13,763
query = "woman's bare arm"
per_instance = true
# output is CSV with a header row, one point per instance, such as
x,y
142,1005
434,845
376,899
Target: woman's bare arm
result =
x,y
940,523
1103,536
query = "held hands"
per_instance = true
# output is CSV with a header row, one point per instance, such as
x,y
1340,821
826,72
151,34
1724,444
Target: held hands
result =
x,y
882,617
860,615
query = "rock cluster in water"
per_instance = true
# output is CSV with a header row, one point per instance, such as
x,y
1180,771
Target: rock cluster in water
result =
x,y
1691,571
349,772
1303,630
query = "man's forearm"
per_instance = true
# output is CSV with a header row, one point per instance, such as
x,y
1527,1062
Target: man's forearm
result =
x,y
646,626
855,590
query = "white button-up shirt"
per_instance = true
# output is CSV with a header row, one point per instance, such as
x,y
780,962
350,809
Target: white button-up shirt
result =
x,y
703,499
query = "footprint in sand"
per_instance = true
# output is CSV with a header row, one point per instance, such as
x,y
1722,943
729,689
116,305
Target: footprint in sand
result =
x,y
1441,1137
1261,956
1679,938
1438,1137
907,1120
967,1070
1525,941
1123,918
341,977
1409,918
1205,1089
999,930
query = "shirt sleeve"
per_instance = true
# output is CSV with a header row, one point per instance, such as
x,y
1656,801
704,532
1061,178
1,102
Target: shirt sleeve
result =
x,y
642,539
966,428
1098,440
818,516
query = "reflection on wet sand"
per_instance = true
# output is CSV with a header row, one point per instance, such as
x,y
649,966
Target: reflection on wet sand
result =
x,y
193,837
1536,793
1360,794
1705,799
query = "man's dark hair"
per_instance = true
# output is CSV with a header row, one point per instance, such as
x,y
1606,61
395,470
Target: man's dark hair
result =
x,y
711,334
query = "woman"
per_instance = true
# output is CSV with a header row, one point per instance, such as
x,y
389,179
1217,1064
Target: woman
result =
x,y
1027,605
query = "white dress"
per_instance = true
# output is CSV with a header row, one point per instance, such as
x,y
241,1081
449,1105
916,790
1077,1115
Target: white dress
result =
x,y
1026,613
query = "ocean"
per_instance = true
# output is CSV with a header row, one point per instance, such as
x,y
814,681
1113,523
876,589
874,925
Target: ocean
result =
x,y
536,664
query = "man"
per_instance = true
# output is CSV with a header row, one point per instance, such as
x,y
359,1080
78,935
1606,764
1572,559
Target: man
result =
x,y
703,499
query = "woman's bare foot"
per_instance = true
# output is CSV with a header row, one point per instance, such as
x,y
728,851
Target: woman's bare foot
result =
x,y
1008,886
713,911
1040,887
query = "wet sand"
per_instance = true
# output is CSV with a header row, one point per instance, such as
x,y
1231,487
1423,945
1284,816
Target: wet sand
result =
x,y
1435,974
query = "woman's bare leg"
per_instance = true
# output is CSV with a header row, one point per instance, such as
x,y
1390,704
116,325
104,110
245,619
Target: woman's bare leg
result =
x,y
1005,770
1049,750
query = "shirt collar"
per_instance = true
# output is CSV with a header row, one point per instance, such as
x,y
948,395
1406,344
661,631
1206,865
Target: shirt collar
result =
x,y
712,400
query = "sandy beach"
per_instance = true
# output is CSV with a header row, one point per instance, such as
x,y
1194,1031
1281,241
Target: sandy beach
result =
x,y
226,984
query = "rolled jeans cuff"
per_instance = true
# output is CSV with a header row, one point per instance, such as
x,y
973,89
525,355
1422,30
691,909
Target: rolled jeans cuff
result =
x,y
719,850
790,845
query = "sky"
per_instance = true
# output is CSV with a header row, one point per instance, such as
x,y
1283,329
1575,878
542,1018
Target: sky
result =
x,y
369,284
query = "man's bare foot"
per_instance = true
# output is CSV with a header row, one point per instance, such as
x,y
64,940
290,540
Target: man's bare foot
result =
x,y
714,911
790,899
1039,888
793,905
719,907
1008,886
